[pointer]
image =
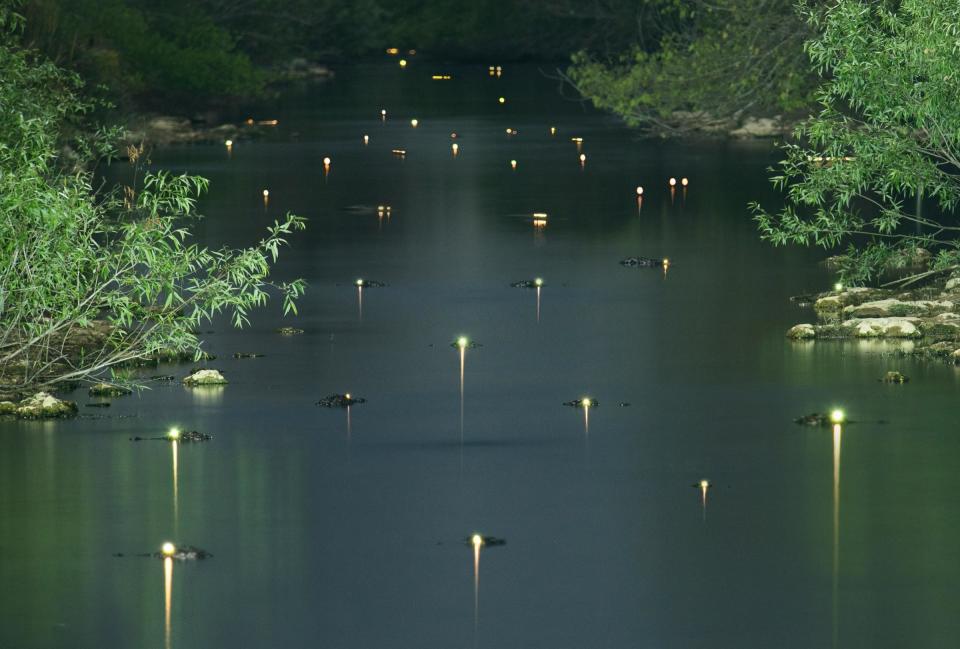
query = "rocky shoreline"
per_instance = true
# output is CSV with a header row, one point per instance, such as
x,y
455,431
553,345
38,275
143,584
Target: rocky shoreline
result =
x,y
928,317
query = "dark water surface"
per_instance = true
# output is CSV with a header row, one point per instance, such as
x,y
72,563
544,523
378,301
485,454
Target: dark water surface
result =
x,y
329,534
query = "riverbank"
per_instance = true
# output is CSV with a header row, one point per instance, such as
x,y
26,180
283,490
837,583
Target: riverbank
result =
x,y
925,319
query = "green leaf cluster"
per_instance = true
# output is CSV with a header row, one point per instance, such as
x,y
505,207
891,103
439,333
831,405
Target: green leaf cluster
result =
x,y
710,61
887,137
75,259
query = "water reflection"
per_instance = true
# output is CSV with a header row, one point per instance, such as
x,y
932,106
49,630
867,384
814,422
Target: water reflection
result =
x,y
837,439
477,541
167,599
704,485
462,344
208,395
175,451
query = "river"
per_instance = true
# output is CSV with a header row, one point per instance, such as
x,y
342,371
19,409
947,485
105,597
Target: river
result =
x,y
350,529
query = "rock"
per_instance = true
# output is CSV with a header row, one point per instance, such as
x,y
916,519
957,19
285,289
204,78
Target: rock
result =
x,y
340,401
956,356
642,262
289,331
952,283
894,377
7,407
205,377
883,327
894,307
834,262
803,331
830,305
941,328
108,390
168,123
760,127
45,406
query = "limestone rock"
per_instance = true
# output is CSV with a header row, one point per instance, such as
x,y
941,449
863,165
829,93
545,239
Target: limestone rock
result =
x,y
803,331
883,327
205,377
43,405
108,390
760,127
893,307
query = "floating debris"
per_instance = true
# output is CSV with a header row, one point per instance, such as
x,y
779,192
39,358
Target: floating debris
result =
x,y
487,541
894,377
463,343
247,355
340,401
369,283
823,420
537,282
181,553
582,403
102,404
205,377
803,300
624,404
289,331
401,153
163,377
176,435
108,390
644,262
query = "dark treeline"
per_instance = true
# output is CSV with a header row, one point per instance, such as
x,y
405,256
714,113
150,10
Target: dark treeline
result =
x,y
662,65
201,52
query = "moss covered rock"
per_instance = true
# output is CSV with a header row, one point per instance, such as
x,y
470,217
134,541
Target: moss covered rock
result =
x,y
108,390
43,405
803,331
897,308
883,327
205,377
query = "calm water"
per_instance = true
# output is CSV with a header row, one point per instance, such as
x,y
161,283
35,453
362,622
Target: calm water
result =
x,y
350,534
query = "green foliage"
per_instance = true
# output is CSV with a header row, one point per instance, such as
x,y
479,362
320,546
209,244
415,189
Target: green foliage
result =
x,y
71,256
888,131
174,55
708,61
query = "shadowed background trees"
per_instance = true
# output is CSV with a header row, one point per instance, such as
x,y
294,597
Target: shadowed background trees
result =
x,y
158,53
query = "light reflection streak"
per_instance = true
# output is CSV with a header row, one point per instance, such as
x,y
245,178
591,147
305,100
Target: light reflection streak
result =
x,y
477,542
704,485
176,484
837,439
538,304
463,360
167,599
360,302
349,427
